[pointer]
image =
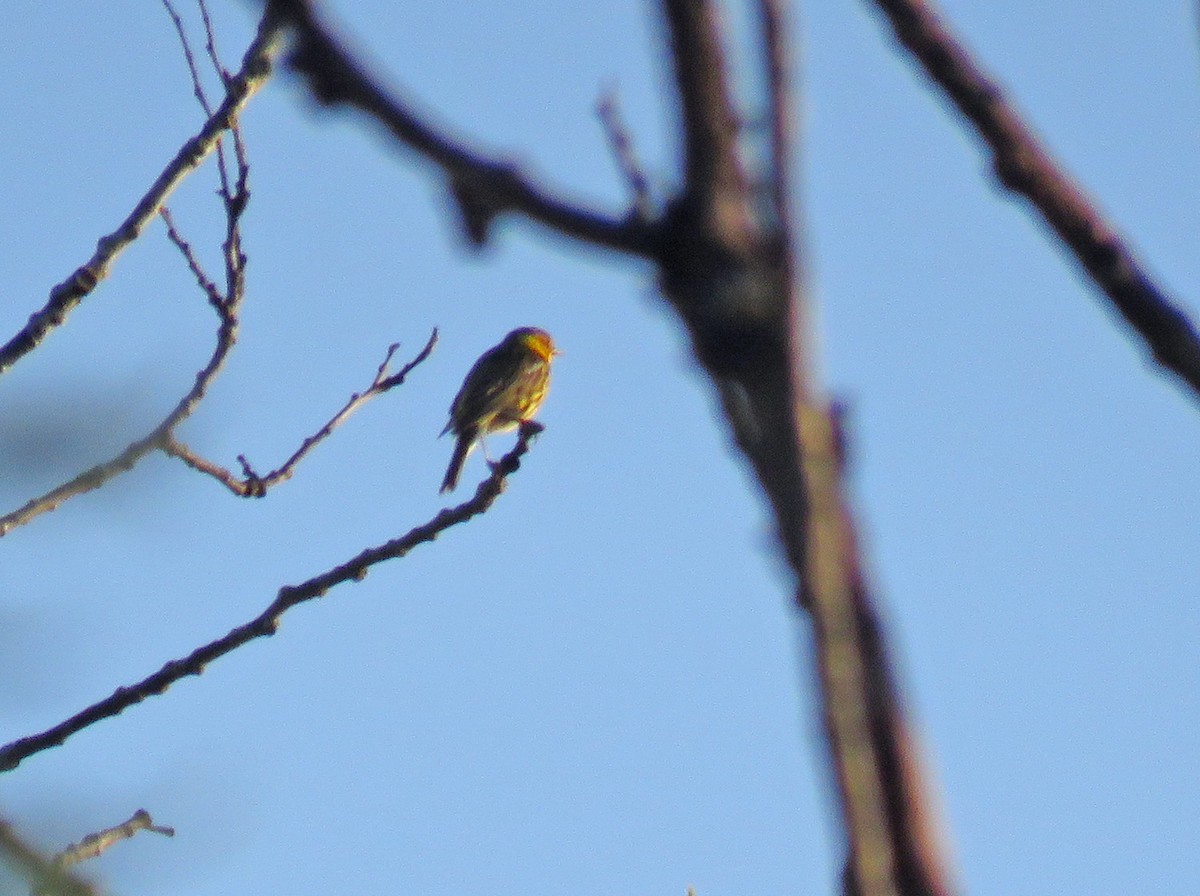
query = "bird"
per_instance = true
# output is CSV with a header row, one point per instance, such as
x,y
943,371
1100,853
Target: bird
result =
x,y
502,391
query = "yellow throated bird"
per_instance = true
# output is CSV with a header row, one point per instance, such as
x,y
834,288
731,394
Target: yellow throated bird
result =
x,y
504,389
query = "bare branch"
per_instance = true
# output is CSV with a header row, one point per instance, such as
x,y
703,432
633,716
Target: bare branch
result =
x,y
251,484
45,876
608,110
210,43
888,808
1024,166
227,307
267,622
189,57
732,274
778,65
93,845
714,181
210,289
484,187
197,84
256,68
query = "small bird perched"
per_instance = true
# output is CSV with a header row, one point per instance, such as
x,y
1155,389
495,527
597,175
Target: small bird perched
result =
x,y
504,389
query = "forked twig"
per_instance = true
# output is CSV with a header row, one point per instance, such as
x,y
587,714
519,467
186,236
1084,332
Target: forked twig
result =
x,y
252,485
256,68
483,187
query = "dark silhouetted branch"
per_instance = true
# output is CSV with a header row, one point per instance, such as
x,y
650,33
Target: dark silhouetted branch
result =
x,y
483,187
732,273
267,622
729,267
710,121
1024,166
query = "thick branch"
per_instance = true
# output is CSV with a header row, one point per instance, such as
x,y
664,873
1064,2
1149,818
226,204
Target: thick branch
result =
x,y
778,65
484,187
267,622
735,283
1025,167
256,68
712,167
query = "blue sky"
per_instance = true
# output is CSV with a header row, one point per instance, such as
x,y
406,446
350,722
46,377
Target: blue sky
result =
x,y
595,686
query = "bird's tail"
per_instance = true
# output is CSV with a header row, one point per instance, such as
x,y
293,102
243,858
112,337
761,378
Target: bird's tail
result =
x,y
462,448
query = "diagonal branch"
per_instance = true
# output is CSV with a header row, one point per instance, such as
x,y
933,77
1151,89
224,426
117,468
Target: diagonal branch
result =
x,y
253,485
44,874
96,476
1025,167
227,307
267,622
484,187
94,845
256,68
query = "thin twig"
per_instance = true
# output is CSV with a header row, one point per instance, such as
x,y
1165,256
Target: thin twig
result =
x,y
210,43
608,110
189,57
267,622
252,485
215,297
93,845
1024,166
197,84
227,307
484,188
256,68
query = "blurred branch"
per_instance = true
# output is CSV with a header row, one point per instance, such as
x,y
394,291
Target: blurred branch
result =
x,y
1024,166
608,110
210,43
253,485
267,622
730,271
483,187
93,845
733,276
779,75
46,877
256,68
714,179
